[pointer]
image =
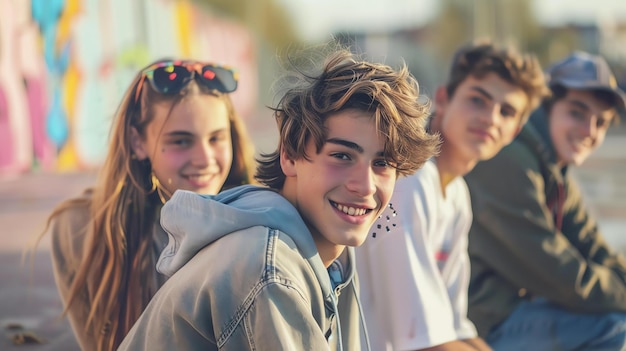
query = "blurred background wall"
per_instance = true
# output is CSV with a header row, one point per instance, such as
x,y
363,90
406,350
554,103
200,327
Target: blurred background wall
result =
x,y
64,64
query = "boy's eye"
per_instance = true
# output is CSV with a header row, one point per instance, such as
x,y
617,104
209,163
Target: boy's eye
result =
x,y
507,112
340,155
478,101
577,114
602,122
382,163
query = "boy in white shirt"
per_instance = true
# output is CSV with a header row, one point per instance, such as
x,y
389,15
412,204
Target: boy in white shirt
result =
x,y
414,267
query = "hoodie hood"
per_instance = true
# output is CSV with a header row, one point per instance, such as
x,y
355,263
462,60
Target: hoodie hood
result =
x,y
537,134
193,221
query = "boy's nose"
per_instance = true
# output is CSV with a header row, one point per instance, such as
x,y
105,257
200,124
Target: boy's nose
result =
x,y
362,181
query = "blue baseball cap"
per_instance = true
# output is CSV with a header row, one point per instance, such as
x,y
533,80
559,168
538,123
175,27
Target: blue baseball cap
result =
x,y
582,70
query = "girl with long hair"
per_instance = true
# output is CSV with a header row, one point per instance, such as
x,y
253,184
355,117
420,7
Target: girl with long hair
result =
x,y
176,128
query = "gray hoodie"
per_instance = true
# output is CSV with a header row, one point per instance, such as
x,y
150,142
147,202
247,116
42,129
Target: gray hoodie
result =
x,y
245,275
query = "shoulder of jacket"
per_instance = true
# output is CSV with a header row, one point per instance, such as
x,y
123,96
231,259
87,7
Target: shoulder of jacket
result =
x,y
253,248
73,218
519,154
256,256
283,260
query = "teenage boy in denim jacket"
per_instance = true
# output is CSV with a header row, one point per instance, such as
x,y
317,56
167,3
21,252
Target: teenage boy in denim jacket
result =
x,y
543,277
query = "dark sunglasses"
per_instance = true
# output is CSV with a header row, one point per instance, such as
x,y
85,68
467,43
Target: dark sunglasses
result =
x,y
170,77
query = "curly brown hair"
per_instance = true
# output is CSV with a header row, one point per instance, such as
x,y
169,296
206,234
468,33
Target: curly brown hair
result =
x,y
392,96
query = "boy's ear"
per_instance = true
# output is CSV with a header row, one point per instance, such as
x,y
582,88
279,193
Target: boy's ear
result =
x,y
441,98
441,102
137,144
287,164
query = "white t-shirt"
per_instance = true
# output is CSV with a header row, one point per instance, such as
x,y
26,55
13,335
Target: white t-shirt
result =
x,y
414,267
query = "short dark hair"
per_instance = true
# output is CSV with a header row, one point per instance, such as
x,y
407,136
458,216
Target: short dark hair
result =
x,y
482,57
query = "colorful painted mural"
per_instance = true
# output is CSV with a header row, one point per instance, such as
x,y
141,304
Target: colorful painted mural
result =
x,y
64,65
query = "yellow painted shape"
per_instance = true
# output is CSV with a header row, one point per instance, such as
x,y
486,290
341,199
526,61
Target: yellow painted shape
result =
x,y
183,10
64,27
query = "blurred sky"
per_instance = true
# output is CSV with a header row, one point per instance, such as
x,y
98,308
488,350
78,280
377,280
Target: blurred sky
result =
x,y
317,19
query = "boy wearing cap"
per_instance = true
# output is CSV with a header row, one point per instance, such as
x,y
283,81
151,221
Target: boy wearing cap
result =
x,y
414,267
543,277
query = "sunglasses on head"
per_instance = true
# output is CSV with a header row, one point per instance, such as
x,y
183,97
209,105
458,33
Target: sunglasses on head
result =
x,y
170,77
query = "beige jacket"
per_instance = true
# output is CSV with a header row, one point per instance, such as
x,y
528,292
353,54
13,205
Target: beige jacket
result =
x,y
69,234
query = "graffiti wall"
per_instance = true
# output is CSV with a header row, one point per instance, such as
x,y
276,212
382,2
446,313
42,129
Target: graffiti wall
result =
x,y
64,65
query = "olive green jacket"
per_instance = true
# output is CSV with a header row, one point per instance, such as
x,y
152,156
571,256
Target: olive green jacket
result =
x,y
532,236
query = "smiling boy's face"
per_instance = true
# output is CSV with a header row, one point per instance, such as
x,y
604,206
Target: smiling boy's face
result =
x,y
578,125
341,190
482,117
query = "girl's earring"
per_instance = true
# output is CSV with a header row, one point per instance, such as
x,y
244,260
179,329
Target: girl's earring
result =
x,y
154,181
163,193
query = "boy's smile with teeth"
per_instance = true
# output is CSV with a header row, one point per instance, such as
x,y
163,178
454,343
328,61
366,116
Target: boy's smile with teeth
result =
x,y
352,211
339,188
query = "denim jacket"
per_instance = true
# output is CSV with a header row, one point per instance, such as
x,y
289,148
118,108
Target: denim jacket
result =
x,y
245,275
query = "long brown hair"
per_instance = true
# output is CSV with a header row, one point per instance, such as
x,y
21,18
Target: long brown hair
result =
x,y
123,207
